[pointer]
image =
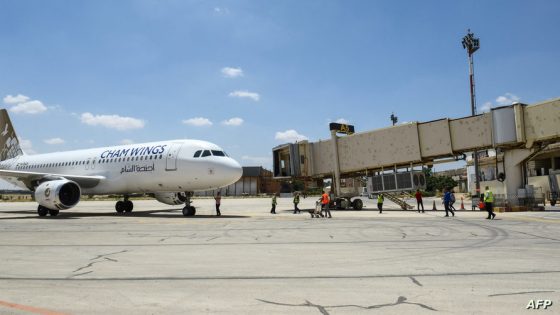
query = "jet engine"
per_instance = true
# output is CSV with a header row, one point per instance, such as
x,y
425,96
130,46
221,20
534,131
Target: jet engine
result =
x,y
58,194
171,198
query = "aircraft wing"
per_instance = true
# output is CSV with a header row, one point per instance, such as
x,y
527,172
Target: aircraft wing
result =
x,y
30,179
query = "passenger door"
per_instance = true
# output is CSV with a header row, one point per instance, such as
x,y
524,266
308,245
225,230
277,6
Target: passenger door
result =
x,y
171,159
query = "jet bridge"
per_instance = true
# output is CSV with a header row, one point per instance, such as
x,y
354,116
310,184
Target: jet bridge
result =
x,y
519,130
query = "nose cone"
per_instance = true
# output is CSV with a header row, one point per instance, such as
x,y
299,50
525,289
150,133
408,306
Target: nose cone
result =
x,y
231,171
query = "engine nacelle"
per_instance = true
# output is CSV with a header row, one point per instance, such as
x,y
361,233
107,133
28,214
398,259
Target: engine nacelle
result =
x,y
171,198
58,194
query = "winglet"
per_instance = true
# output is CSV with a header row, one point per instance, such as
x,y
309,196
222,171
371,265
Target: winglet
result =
x,y
9,143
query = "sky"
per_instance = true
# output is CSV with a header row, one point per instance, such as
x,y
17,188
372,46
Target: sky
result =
x,y
251,75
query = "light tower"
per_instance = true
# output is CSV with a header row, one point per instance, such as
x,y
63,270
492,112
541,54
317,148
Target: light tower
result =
x,y
472,44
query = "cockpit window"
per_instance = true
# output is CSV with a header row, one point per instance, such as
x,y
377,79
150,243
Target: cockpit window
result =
x,y
206,153
197,153
218,153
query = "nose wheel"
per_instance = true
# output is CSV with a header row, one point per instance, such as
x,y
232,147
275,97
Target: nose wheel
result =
x,y
188,210
124,205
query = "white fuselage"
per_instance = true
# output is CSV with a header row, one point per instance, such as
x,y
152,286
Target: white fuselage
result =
x,y
165,166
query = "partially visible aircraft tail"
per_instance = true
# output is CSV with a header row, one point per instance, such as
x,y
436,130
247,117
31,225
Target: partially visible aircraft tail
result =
x,y
9,143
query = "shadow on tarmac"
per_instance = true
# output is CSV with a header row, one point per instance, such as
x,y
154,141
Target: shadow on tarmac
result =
x,y
65,215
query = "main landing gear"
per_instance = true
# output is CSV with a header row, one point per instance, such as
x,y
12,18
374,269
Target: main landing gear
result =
x,y
43,211
124,205
188,210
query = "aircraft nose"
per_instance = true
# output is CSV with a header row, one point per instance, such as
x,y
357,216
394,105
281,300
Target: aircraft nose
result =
x,y
232,170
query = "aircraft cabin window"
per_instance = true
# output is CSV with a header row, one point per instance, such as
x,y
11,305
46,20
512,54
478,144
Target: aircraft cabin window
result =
x,y
218,153
206,153
197,153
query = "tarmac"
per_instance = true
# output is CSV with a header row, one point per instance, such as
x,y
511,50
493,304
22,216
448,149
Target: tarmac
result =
x,y
91,260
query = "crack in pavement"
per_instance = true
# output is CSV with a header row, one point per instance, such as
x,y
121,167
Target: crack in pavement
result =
x,y
323,308
81,274
415,281
518,293
109,254
98,258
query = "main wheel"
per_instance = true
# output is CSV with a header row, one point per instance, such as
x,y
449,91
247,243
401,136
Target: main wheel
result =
x,y
128,206
357,204
120,206
53,213
42,211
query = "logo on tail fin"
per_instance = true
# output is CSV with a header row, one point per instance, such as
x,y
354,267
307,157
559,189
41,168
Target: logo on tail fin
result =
x,y
9,143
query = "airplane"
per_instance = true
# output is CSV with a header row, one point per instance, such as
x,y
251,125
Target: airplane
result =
x,y
170,171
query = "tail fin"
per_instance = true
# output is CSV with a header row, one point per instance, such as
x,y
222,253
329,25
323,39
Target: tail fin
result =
x,y
9,143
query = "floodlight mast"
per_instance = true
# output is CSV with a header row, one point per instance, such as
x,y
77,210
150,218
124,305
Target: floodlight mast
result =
x,y
472,44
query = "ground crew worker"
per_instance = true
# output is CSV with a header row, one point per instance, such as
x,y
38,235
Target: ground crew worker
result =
x,y
447,201
419,202
218,199
273,210
452,200
325,204
488,203
296,201
380,199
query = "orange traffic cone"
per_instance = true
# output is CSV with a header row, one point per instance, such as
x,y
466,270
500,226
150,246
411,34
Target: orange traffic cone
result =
x,y
462,204
434,207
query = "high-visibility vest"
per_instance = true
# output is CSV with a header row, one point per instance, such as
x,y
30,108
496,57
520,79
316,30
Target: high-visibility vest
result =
x,y
488,196
273,200
325,199
296,199
380,199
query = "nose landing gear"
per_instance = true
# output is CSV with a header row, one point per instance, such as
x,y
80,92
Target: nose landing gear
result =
x,y
188,210
124,205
